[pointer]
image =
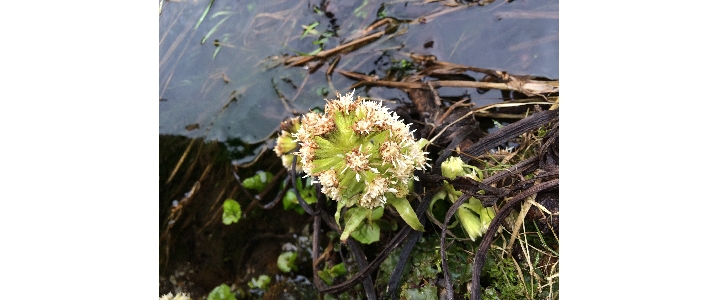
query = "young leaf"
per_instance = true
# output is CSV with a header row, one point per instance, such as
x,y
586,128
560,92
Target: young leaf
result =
x,y
320,41
222,292
258,181
366,233
308,29
405,211
314,52
232,212
204,14
326,277
353,221
338,270
285,261
377,213
262,282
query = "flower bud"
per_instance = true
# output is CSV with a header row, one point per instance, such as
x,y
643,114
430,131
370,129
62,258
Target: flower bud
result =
x,y
452,167
286,143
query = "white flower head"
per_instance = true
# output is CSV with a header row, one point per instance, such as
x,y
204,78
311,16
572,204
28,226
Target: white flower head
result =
x,y
358,150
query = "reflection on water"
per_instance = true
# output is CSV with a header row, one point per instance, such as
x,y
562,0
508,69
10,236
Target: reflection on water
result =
x,y
234,85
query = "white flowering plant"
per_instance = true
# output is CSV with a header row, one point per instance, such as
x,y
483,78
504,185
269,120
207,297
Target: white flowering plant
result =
x,y
362,154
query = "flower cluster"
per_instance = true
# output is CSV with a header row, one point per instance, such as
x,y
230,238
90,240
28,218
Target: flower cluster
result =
x,y
359,151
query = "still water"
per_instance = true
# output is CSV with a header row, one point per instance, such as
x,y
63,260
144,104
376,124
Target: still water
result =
x,y
222,76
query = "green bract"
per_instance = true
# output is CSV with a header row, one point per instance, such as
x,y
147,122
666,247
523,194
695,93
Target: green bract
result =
x,y
361,153
474,217
286,143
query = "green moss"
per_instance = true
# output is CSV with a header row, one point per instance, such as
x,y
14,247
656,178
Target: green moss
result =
x,y
427,292
501,276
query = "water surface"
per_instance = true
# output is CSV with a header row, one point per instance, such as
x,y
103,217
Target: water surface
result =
x,y
242,90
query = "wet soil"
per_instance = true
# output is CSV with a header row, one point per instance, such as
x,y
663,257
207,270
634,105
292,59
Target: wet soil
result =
x,y
197,251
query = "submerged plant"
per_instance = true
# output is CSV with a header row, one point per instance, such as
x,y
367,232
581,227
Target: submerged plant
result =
x,y
360,153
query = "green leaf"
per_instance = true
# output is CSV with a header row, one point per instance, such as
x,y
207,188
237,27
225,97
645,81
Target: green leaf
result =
x,y
258,181
222,292
366,233
358,11
204,14
308,29
232,212
314,52
285,261
216,51
337,214
213,30
307,191
222,13
218,47
381,13
427,292
377,213
320,42
474,204
471,222
356,218
405,211
290,200
262,282
385,225
326,277
307,54
338,270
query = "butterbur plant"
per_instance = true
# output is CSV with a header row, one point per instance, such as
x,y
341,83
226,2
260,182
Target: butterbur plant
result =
x,y
474,217
361,154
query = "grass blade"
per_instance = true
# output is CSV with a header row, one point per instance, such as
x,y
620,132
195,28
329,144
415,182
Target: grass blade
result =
x,y
204,14
213,29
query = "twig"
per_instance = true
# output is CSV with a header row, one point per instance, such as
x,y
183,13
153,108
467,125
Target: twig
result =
x,y
296,61
442,248
181,160
531,87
